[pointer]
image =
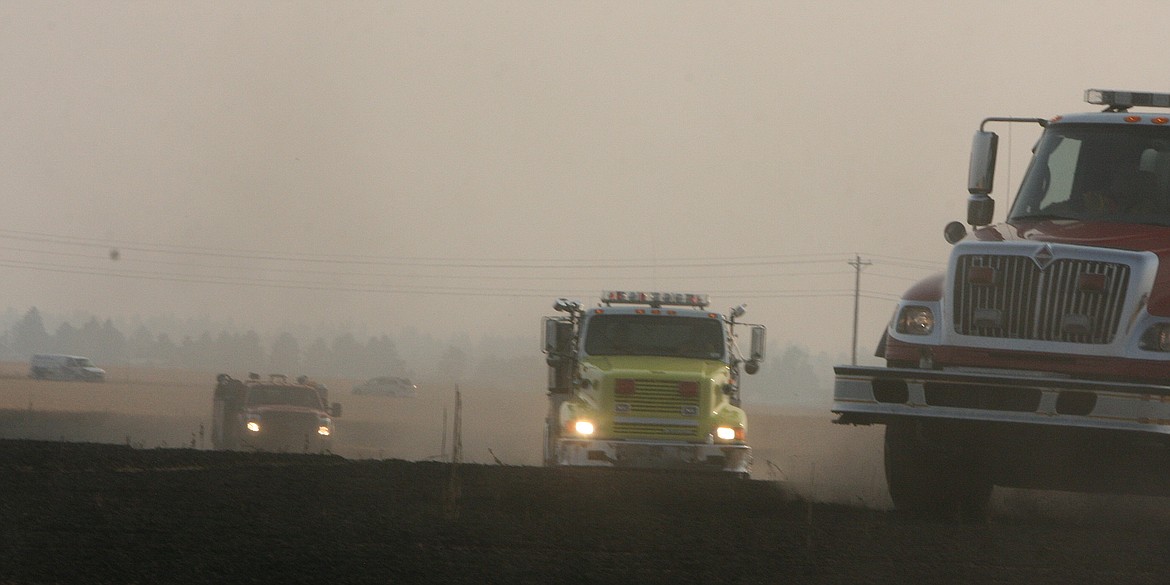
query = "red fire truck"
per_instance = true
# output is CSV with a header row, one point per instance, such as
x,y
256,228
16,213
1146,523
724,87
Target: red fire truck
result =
x,y
1041,357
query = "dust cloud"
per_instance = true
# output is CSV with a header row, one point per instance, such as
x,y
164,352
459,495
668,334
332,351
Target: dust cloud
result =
x,y
800,450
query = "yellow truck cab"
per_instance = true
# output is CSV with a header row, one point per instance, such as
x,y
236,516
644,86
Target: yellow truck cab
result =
x,y
648,379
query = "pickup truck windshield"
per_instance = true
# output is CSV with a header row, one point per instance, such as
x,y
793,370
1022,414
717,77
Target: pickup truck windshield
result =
x,y
689,337
1098,172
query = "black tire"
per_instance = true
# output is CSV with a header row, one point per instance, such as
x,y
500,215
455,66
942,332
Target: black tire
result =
x,y
943,480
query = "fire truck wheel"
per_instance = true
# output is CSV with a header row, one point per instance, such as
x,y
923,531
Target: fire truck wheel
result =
x,y
943,482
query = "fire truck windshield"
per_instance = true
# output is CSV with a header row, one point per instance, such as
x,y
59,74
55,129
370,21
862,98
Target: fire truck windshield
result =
x,y
1098,172
689,337
283,395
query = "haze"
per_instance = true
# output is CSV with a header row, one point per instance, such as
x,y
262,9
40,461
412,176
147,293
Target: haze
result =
x,y
453,167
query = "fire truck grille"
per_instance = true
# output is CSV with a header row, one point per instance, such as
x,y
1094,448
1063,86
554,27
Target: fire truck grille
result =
x,y
287,431
658,398
661,403
643,430
1011,297
290,422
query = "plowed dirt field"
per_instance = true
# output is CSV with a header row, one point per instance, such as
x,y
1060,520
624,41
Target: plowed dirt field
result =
x,y
111,483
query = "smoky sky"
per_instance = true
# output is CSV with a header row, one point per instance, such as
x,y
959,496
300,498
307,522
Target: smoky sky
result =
x,y
455,166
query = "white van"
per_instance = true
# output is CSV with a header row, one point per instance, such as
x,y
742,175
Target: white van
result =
x,y
50,366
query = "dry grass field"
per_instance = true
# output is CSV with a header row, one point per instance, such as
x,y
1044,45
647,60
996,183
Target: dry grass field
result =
x,y
171,408
112,483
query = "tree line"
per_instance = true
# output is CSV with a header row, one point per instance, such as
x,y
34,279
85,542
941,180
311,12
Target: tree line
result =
x,y
791,374
343,356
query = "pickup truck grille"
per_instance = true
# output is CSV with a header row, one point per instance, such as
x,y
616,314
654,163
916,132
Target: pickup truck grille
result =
x,y
1011,297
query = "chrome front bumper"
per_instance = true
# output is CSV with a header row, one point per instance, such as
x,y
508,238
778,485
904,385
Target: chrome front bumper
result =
x,y
654,455
875,395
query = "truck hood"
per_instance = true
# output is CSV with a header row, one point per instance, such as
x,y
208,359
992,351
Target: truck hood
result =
x,y
274,408
656,365
1121,236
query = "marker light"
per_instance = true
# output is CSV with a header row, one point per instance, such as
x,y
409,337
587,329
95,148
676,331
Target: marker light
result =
x,y
981,276
583,428
624,386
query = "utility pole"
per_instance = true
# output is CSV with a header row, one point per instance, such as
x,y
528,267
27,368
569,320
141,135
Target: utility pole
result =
x,y
454,495
857,265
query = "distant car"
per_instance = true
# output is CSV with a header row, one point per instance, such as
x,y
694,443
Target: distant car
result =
x,y
64,367
386,386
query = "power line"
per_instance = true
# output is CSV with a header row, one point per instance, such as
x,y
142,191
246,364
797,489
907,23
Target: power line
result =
x,y
425,261
409,275
407,289
422,282
417,260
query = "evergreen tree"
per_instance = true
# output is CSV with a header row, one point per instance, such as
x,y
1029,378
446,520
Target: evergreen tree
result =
x,y
140,347
318,359
67,339
347,357
29,335
286,355
112,344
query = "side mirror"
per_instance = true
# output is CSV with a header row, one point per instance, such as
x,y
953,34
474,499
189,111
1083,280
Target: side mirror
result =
x,y
756,355
981,171
981,178
758,342
549,338
980,209
335,409
558,335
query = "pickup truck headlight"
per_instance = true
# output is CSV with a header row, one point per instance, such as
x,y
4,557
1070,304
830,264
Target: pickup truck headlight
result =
x,y
915,320
252,424
324,426
1156,338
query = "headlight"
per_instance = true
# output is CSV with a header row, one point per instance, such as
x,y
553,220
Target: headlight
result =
x,y
915,320
324,427
725,433
253,426
583,428
1157,338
